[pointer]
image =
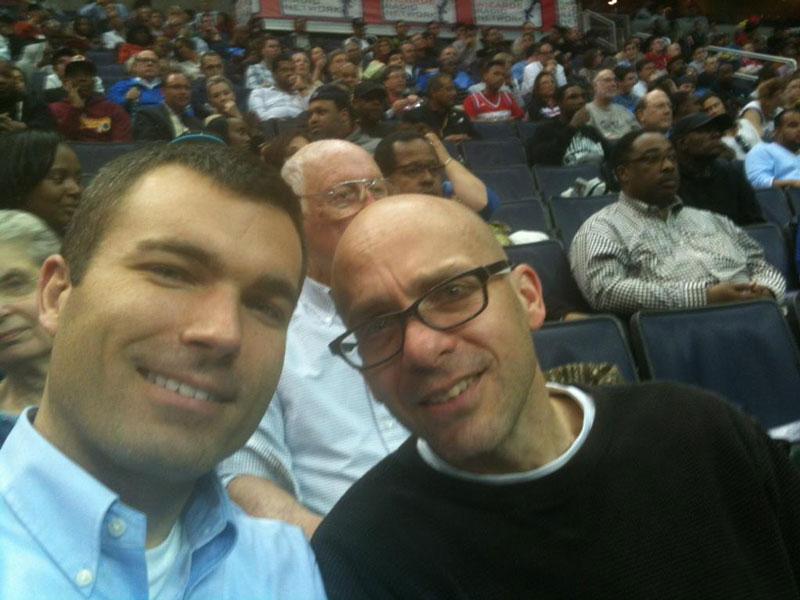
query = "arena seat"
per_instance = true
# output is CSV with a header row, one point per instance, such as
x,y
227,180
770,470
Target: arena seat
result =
x,y
595,339
526,130
512,184
94,156
101,58
570,213
774,206
743,351
794,199
480,154
112,71
501,130
776,251
528,215
552,181
560,292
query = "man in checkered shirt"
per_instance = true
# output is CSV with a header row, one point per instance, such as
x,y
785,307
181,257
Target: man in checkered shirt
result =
x,y
650,251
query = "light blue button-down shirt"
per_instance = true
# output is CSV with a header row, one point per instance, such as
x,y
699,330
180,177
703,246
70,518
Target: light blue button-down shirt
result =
x,y
323,429
769,161
65,535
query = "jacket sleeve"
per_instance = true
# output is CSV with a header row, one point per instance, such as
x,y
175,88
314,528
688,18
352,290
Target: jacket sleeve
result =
x,y
120,126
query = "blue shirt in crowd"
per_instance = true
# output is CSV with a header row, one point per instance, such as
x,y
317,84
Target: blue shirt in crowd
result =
x,y
64,535
769,161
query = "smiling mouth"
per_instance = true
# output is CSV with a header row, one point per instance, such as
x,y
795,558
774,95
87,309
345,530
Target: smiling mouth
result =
x,y
179,387
451,393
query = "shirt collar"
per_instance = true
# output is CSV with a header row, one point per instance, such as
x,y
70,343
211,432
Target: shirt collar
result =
x,y
66,509
148,84
650,209
316,297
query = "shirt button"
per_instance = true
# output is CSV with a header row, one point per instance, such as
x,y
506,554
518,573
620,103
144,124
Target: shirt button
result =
x,y
116,527
84,577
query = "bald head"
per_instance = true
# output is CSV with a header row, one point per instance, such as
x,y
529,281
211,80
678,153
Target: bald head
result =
x,y
323,162
465,343
654,111
604,85
382,236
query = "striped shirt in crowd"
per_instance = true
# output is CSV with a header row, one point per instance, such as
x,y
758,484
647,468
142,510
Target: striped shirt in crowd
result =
x,y
630,256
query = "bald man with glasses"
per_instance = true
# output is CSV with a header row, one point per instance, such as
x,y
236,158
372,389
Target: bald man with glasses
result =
x,y
511,487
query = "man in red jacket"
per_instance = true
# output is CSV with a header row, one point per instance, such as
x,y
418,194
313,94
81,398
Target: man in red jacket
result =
x,y
84,116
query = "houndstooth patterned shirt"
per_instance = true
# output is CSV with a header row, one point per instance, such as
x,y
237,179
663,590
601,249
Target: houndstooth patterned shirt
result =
x,y
631,256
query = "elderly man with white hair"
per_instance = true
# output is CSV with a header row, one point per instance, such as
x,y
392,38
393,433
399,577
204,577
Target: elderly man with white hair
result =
x,y
323,429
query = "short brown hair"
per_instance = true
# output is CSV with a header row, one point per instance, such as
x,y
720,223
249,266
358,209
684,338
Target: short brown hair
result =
x,y
228,167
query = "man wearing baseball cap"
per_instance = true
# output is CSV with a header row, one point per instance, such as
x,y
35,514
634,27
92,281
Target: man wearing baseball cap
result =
x,y
84,115
709,181
369,107
330,117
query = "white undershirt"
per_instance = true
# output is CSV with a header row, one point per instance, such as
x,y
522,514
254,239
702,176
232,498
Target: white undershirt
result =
x,y
587,405
161,560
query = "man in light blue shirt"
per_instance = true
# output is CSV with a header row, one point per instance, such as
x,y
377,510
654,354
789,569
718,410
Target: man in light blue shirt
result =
x,y
777,164
169,305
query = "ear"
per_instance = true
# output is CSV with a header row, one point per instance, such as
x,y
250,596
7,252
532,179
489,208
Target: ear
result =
x,y
621,173
529,292
54,289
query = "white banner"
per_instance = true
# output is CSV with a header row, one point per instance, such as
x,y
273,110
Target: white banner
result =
x,y
567,13
332,9
507,13
420,11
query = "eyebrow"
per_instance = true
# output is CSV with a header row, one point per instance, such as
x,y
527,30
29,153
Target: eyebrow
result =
x,y
266,282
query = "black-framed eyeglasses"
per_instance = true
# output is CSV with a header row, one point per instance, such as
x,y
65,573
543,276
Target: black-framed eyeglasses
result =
x,y
447,305
654,159
347,197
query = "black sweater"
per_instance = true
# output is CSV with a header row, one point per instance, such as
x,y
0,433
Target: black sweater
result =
x,y
674,494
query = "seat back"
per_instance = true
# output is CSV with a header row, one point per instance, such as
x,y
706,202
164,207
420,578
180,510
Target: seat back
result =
x,y
559,290
552,181
480,154
776,251
774,206
528,215
527,130
500,130
743,351
101,58
93,156
570,213
512,184
794,199
596,339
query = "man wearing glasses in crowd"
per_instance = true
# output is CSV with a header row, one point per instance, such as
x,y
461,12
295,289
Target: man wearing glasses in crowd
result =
x,y
417,164
511,487
143,89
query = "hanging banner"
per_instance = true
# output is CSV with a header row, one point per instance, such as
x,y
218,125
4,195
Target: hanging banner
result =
x,y
500,13
321,9
421,11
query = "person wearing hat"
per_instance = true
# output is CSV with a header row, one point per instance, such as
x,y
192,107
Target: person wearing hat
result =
x,y
708,181
369,107
330,117
84,115
280,100
54,82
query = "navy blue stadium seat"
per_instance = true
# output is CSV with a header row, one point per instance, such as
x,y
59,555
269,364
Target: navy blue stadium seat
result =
x,y
94,156
770,238
101,58
493,131
794,199
479,154
596,339
529,215
552,181
570,213
560,292
527,130
512,184
453,150
774,206
743,351
112,71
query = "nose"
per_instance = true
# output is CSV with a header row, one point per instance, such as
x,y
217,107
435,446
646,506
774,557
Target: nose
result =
x,y
424,346
214,323
73,187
